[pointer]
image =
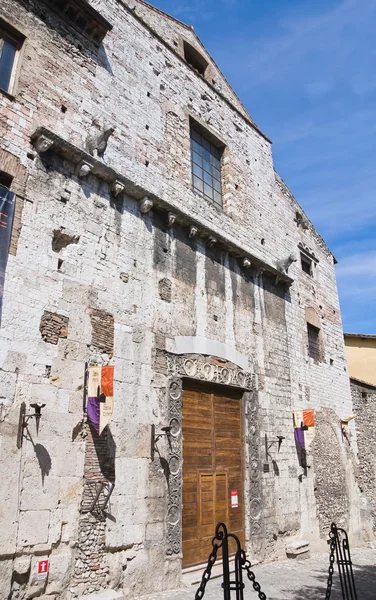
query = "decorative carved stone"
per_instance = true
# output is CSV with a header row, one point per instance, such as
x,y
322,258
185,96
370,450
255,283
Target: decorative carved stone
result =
x,y
284,265
204,368
246,263
171,218
192,231
175,392
98,143
255,491
43,143
117,187
211,241
84,168
145,205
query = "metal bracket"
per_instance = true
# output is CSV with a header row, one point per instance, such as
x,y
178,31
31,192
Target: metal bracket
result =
x,y
166,432
24,419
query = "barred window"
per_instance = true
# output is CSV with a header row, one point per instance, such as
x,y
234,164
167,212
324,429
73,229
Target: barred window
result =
x,y
206,168
10,45
313,342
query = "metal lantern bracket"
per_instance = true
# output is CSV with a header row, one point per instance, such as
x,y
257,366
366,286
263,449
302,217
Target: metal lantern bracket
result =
x,y
165,432
24,420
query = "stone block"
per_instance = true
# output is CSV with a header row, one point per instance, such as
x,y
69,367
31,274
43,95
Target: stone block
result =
x,y
38,494
298,550
60,573
104,595
33,527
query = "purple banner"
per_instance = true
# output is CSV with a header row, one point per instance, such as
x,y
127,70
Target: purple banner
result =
x,y
7,204
93,412
299,437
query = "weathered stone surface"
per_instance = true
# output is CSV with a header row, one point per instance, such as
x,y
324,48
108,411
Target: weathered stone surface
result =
x,y
34,527
115,260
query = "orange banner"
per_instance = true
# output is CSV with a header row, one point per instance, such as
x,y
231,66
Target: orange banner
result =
x,y
107,381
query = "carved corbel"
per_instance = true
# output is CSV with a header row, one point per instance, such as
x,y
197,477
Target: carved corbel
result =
x,y
84,168
246,263
117,187
192,231
211,241
259,271
43,143
171,218
145,205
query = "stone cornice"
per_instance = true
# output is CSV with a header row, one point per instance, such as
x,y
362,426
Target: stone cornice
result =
x,y
45,140
83,17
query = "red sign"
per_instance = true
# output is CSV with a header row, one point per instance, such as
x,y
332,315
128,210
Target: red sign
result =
x,y
43,566
234,499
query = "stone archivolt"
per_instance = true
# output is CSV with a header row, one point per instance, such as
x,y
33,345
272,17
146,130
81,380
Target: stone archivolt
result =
x,y
205,369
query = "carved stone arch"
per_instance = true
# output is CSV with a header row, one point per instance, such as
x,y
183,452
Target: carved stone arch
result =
x,y
210,370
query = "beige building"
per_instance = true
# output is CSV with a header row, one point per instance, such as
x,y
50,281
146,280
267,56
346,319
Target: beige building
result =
x,y
361,356
152,234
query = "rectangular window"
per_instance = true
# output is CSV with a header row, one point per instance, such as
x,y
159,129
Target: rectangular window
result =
x,y
10,47
313,342
306,263
206,168
194,58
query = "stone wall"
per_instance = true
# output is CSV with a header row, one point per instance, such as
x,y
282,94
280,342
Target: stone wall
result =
x,y
364,399
108,282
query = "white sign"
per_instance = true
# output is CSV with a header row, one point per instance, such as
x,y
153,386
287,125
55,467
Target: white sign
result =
x,y
43,566
234,499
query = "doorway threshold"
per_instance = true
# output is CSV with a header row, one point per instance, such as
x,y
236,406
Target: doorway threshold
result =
x,y
193,575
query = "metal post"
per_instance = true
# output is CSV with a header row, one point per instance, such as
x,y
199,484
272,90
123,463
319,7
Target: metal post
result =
x,y
344,563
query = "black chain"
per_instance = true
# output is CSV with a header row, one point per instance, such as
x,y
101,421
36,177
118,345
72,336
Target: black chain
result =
x,y
251,576
207,573
331,568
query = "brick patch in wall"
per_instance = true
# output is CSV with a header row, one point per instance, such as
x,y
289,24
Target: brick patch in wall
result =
x,y
91,563
102,336
53,326
165,289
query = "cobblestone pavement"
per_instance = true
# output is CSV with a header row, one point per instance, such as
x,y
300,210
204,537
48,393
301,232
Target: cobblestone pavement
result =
x,y
294,580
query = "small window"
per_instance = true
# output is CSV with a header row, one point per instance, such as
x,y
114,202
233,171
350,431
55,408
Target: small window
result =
x,y
10,46
195,59
5,179
313,342
307,265
206,168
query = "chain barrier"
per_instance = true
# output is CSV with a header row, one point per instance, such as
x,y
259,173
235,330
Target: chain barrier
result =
x,y
252,578
340,551
331,569
221,540
207,573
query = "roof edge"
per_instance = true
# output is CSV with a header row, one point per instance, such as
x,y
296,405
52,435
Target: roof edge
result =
x,y
362,382
247,118
360,335
304,213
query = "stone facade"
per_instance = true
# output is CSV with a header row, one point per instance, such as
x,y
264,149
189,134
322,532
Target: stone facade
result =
x,y
116,260
364,400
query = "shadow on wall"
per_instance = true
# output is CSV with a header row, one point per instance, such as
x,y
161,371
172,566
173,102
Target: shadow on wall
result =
x,y
44,460
43,457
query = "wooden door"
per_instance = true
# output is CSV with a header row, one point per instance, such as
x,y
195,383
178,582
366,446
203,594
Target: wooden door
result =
x,y
212,468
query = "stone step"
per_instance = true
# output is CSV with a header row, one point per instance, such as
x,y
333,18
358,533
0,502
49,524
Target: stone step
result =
x,y
193,575
298,549
103,595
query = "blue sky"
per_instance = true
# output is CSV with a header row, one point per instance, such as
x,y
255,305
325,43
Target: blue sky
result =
x,y
306,72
